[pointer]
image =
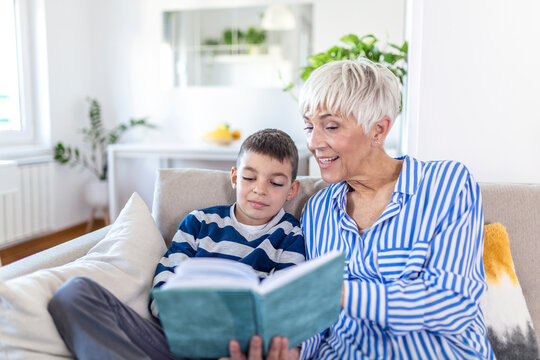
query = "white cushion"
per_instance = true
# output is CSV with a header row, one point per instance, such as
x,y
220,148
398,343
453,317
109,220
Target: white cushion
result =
x,y
123,262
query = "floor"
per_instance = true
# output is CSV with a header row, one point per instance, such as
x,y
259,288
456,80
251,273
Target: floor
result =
x,y
33,246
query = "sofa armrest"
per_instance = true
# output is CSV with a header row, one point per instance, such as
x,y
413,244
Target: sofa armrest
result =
x,y
55,256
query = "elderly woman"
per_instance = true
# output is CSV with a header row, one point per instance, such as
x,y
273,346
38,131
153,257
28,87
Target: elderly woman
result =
x,y
412,230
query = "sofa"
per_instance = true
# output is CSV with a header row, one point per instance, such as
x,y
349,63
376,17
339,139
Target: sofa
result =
x,y
178,191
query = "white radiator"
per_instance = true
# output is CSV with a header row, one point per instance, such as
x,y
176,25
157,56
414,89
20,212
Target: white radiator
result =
x,y
27,212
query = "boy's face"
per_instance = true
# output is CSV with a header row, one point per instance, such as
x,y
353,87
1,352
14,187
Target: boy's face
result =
x,y
262,185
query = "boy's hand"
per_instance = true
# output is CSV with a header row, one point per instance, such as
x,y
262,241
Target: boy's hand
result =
x,y
279,350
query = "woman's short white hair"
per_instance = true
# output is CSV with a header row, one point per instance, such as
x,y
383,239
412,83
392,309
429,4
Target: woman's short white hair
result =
x,y
366,90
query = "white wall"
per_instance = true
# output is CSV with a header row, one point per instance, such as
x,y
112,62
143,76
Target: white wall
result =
x,y
93,50
333,19
475,86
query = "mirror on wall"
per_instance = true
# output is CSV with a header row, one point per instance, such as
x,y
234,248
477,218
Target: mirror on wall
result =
x,y
241,46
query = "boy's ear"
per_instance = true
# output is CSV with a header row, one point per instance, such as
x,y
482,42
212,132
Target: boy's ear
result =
x,y
293,190
234,177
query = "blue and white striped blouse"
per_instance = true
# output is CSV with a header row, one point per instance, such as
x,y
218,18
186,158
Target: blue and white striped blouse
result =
x,y
413,280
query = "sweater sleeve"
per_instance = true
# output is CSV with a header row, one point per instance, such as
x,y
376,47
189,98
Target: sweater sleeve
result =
x,y
443,279
184,245
293,250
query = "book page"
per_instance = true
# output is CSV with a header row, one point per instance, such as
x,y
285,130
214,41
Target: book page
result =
x,y
212,273
287,275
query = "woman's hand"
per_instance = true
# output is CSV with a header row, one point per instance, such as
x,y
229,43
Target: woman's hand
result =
x,y
279,350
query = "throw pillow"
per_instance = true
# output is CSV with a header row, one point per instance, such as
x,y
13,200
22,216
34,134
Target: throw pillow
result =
x,y
124,262
510,328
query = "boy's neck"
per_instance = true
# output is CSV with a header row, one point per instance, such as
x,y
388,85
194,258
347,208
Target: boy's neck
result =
x,y
236,210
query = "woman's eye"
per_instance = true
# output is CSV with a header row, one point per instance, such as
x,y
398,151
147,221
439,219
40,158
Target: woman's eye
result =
x,y
331,127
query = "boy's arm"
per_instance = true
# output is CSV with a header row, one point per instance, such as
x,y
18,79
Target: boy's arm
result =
x,y
294,250
184,245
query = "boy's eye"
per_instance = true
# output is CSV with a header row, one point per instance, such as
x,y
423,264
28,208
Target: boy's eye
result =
x,y
247,178
277,184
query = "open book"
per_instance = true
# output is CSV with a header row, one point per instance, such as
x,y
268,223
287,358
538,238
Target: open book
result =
x,y
209,301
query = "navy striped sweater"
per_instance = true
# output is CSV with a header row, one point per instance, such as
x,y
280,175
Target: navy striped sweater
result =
x,y
215,232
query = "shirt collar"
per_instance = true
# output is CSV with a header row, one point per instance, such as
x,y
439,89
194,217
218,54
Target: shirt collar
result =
x,y
273,222
408,181
339,195
410,175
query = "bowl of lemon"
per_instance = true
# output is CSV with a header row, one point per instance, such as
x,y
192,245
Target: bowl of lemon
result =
x,y
222,135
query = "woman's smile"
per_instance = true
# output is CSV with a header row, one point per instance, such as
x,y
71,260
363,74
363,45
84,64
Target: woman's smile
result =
x,y
326,162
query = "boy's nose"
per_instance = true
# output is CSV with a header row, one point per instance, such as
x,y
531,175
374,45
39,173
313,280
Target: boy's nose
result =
x,y
260,189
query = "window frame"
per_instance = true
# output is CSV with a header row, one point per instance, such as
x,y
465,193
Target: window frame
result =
x,y
31,47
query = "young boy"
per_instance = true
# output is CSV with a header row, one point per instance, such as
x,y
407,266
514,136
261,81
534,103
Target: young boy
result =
x,y
255,230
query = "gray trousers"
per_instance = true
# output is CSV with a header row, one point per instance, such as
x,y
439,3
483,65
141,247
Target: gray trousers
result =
x,y
96,325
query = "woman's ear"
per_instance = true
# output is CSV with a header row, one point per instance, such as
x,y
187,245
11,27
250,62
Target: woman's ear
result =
x,y
380,130
234,177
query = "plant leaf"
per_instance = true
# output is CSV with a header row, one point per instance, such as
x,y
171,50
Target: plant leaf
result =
x,y
351,40
289,86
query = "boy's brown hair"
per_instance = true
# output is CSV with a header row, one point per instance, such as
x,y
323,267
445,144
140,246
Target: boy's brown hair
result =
x,y
274,143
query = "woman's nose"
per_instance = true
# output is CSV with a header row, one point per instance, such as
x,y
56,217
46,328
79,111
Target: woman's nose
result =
x,y
315,139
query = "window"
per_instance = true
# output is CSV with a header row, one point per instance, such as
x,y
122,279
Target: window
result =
x,y
10,117
24,96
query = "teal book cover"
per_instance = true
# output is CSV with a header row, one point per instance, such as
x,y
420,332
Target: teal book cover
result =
x,y
209,302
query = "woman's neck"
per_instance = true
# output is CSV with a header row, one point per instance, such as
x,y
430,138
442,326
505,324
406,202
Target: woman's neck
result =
x,y
379,172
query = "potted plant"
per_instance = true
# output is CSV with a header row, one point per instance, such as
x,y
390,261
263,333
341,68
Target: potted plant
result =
x,y
210,46
254,38
393,56
97,138
233,37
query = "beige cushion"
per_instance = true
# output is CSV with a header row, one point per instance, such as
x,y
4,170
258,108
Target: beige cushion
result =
x,y
517,207
124,262
180,191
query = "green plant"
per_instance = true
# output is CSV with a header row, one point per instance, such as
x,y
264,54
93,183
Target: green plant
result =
x,y
393,56
254,36
211,42
97,139
232,36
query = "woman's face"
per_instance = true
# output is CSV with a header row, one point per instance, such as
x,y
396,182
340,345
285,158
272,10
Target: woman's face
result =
x,y
339,144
